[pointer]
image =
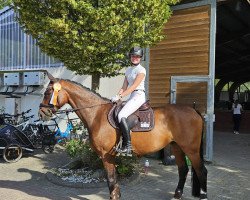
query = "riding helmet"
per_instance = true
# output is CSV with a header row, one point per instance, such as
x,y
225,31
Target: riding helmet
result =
x,y
137,51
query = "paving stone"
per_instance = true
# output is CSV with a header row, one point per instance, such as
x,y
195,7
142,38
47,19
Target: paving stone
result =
x,y
228,176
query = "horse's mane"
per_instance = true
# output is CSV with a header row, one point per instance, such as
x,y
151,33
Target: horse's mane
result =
x,y
88,89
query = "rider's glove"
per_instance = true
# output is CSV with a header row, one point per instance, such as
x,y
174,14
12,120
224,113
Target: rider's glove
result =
x,y
115,98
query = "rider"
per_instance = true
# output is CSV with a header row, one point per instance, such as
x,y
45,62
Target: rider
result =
x,y
133,85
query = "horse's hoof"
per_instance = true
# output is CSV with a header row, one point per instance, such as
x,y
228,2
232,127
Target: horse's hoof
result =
x,y
115,198
178,194
203,197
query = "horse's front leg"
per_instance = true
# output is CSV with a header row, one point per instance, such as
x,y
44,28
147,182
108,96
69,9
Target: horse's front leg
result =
x,y
109,165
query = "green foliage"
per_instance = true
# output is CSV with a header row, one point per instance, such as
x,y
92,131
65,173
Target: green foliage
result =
x,y
93,36
73,147
125,166
77,149
82,150
4,3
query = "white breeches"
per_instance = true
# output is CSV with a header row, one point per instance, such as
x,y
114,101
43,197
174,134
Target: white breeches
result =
x,y
136,99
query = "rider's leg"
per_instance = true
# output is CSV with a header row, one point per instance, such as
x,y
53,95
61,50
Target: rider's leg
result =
x,y
126,144
135,101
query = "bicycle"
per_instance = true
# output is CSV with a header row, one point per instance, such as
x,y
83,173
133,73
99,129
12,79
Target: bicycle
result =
x,y
57,136
23,124
13,119
13,142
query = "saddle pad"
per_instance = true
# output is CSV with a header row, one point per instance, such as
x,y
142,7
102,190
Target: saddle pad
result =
x,y
145,119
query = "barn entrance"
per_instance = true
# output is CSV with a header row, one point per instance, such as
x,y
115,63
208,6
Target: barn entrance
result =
x,y
232,71
204,59
181,67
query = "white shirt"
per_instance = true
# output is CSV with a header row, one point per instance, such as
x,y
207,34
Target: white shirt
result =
x,y
237,110
131,74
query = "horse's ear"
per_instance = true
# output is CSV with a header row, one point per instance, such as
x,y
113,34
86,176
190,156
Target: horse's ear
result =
x,y
52,78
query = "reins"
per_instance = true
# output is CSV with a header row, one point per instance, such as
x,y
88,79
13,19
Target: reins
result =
x,y
81,108
73,109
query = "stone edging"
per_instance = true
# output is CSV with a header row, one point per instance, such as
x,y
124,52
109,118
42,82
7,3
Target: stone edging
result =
x,y
58,181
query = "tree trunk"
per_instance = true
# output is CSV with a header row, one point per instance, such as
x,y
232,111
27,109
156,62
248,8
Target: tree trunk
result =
x,y
95,82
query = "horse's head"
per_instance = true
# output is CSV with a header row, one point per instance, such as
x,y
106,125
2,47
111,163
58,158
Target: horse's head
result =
x,y
54,98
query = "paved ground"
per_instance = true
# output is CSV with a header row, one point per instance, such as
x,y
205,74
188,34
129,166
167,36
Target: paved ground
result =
x,y
228,177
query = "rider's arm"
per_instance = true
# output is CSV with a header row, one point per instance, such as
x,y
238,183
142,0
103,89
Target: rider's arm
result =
x,y
124,86
137,82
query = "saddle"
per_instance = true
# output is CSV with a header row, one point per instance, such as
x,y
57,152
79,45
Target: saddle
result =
x,y
141,120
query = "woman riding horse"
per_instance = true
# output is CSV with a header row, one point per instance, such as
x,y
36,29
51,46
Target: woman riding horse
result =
x,y
133,85
181,126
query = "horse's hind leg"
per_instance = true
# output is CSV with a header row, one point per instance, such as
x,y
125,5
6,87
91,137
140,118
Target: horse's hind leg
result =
x,y
199,177
182,169
109,165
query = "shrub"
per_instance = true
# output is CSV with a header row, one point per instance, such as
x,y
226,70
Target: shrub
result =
x,y
82,150
125,166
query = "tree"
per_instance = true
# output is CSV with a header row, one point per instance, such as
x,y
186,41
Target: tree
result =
x,y
4,3
93,36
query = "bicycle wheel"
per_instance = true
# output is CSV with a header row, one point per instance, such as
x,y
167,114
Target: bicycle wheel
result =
x,y
12,153
48,148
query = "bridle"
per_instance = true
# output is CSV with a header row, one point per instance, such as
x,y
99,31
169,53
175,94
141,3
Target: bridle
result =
x,y
54,106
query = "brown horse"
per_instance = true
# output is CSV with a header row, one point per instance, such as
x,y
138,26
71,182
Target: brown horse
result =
x,y
180,126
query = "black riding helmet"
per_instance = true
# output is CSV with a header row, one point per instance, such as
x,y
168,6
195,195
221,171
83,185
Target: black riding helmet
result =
x,y
137,51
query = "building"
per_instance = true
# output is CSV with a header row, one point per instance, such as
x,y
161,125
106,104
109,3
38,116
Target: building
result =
x,y
206,48
206,40
22,66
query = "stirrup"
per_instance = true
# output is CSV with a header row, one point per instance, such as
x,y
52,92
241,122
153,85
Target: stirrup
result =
x,y
125,151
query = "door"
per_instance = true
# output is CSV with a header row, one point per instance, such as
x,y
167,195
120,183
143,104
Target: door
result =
x,y
196,91
187,57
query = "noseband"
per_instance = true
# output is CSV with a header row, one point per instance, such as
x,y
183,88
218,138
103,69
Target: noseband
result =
x,y
53,97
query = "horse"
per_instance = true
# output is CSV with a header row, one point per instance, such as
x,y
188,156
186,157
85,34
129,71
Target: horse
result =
x,y
179,125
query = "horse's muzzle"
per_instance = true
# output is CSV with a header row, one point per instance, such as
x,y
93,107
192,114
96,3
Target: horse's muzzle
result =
x,y
45,113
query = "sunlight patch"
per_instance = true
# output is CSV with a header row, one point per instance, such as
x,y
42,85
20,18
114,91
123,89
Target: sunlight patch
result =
x,y
228,170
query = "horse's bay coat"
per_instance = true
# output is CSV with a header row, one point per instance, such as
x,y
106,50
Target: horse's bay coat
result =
x,y
181,126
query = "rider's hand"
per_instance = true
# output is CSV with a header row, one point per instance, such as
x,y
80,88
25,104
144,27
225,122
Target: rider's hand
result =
x,y
115,98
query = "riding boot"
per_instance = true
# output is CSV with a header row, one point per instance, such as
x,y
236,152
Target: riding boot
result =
x,y
126,144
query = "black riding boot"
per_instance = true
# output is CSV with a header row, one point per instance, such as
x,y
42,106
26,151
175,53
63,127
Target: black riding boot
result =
x,y
126,144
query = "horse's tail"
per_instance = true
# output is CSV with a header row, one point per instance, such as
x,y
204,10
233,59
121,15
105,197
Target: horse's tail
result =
x,y
202,133
195,180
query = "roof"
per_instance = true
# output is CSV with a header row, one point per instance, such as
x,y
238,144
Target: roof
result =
x,y
233,41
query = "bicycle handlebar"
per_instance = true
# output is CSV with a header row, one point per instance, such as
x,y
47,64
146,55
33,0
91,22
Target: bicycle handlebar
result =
x,y
25,112
16,115
5,116
31,116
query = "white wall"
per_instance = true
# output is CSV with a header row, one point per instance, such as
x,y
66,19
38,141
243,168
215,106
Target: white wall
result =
x,y
108,88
